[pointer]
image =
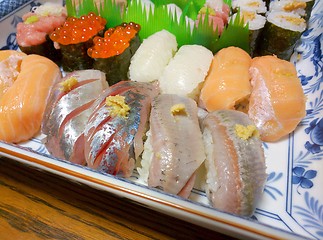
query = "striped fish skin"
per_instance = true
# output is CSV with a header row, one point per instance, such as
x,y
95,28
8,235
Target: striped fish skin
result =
x,y
177,145
68,112
236,168
114,143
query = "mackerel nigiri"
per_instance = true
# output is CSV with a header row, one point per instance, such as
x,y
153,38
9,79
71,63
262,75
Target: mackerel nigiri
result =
x,y
235,162
174,149
114,132
68,109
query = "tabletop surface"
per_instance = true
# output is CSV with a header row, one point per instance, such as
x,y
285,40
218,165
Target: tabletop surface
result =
x,y
36,204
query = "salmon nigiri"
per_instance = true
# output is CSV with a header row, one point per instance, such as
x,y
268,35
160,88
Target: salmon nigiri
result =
x,y
277,101
10,61
22,106
228,82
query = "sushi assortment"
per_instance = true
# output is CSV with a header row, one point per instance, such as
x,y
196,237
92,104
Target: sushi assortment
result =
x,y
274,29
157,107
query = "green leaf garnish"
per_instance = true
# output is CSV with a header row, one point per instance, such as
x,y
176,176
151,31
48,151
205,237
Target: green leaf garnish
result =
x,y
154,20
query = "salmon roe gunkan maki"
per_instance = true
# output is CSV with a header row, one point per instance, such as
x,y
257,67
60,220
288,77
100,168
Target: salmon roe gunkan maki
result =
x,y
112,53
74,38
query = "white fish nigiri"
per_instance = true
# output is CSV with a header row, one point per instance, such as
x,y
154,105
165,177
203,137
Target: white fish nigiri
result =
x,y
153,55
176,149
186,71
235,162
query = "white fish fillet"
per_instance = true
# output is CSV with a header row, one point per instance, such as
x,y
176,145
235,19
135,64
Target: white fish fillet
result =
x,y
151,58
186,71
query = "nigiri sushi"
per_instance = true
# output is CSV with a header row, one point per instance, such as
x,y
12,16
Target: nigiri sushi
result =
x,y
68,109
186,71
114,132
174,149
277,101
10,63
227,85
23,105
152,57
235,162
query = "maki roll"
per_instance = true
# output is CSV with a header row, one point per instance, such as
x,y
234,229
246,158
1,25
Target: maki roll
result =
x,y
300,7
256,23
280,34
257,6
113,52
75,37
33,33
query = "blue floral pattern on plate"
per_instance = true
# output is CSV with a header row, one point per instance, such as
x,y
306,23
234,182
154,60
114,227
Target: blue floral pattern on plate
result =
x,y
292,198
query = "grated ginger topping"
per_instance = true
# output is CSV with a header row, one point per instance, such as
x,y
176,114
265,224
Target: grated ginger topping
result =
x,y
118,106
68,84
246,132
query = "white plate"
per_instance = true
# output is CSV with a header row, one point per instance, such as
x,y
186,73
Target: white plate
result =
x,y
292,202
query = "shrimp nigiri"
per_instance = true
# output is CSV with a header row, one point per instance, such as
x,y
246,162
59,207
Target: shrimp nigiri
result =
x,y
227,85
23,104
277,101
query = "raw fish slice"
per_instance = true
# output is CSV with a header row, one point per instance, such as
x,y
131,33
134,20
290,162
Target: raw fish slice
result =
x,y
227,85
68,111
176,142
10,62
83,77
153,55
277,101
235,162
113,142
186,71
22,106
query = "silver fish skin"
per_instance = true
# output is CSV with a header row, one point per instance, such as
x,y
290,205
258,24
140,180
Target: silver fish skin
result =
x,y
236,167
114,143
67,114
177,145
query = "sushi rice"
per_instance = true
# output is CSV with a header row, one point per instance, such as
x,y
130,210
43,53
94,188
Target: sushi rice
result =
x,y
257,6
286,20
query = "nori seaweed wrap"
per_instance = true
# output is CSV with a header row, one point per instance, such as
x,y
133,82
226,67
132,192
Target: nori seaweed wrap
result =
x,y
75,37
33,33
256,23
280,34
113,52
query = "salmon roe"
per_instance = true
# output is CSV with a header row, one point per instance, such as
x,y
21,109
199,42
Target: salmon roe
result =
x,y
114,42
77,30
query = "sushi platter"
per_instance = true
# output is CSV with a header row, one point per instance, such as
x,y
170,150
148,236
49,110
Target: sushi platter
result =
x,y
136,107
